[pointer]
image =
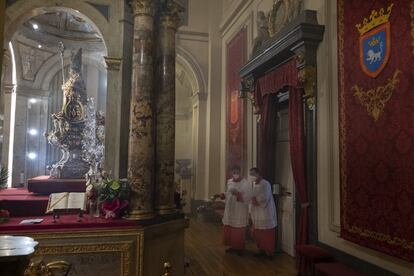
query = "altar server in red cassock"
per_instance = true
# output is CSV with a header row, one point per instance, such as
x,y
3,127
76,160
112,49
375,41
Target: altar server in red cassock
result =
x,y
236,213
263,214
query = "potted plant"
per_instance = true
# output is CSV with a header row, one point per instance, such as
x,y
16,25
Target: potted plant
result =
x,y
114,195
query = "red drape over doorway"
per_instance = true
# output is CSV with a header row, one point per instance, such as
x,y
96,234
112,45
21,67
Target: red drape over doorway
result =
x,y
285,76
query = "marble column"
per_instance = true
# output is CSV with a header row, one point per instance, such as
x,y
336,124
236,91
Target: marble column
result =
x,y
2,16
141,132
165,108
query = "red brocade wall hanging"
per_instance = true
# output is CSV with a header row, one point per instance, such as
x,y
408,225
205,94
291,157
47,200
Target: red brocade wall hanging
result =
x,y
376,124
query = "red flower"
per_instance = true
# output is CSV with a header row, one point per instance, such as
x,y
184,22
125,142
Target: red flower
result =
x,y
113,209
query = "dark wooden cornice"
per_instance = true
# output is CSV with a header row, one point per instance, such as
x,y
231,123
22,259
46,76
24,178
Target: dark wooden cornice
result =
x,y
304,32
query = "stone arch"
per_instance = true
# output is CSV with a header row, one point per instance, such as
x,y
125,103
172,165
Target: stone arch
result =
x,y
190,64
21,11
115,30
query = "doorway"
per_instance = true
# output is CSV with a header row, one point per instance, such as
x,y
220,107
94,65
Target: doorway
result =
x,y
284,177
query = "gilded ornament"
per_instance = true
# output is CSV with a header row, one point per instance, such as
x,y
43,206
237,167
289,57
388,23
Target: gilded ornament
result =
x,y
374,100
307,80
375,19
247,92
125,248
41,268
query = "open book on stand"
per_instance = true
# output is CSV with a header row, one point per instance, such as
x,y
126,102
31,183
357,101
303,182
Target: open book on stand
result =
x,y
65,201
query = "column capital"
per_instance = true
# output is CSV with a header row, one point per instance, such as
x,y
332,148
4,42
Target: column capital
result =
x,y
170,14
143,7
113,63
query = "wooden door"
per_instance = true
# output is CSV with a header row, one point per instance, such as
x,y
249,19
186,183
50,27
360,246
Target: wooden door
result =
x,y
284,177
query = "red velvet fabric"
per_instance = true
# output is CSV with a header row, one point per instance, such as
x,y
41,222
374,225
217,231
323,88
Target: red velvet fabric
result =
x,y
265,239
284,76
45,185
267,143
377,154
309,255
236,117
65,223
297,156
334,269
234,237
19,202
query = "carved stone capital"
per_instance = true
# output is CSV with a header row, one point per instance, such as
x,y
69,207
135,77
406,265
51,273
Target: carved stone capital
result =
x,y
112,63
307,80
143,7
9,88
170,14
247,92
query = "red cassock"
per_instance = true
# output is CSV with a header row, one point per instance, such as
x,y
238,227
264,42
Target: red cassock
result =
x,y
235,217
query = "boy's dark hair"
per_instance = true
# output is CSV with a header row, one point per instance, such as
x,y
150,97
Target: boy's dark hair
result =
x,y
256,170
235,168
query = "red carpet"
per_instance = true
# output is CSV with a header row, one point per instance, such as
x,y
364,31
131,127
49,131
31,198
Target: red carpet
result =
x,y
20,202
45,185
64,223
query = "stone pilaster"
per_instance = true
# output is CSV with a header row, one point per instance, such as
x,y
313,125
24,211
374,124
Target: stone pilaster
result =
x,y
141,145
165,108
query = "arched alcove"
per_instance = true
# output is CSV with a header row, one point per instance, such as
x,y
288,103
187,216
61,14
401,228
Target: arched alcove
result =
x,y
190,129
39,79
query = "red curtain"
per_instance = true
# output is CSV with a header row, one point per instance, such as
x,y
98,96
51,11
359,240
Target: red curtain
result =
x,y
268,136
271,83
297,156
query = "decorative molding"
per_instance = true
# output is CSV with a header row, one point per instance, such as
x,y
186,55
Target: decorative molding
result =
x,y
124,247
192,36
304,31
199,97
192,66
113,63
230,17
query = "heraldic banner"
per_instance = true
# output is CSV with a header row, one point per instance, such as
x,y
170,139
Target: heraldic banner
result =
x,y
376,124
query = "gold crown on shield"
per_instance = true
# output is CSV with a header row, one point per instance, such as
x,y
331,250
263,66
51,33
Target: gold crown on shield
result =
x,y
375,19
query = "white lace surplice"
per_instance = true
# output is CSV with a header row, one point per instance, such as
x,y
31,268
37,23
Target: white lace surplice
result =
x,y
263,215
236,213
